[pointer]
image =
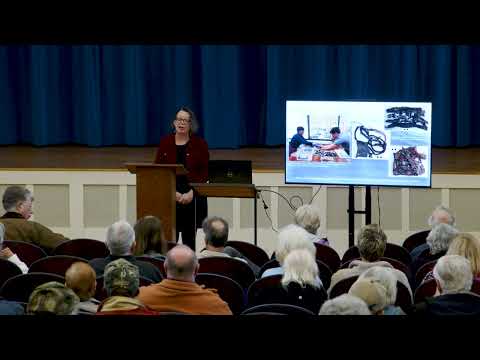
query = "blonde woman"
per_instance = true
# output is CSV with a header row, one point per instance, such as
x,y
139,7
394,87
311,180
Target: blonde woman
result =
x,y
468,246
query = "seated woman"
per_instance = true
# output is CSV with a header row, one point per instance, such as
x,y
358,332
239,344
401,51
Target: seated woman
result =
x,y
149,237
468,246
308,217
300,284
290,238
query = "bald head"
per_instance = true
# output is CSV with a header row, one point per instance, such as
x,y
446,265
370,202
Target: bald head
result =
x,y
181,264
81,278
441,215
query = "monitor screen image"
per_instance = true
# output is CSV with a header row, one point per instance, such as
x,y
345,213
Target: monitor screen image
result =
x,y
358,143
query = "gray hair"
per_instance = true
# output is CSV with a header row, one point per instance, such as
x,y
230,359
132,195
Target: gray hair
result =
x,y
13,195
345,305
308,217
181,263
440,237
120,238
216,231
453,273
293,237
441,210
385,277
300,267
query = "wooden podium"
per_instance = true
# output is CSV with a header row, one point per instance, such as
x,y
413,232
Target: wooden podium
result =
x,y
156,185
230,191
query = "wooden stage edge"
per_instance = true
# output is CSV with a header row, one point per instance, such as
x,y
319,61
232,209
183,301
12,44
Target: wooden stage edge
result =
x,y
462,161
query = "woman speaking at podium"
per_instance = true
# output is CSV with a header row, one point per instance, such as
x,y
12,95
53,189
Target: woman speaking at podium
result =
x,y
186,148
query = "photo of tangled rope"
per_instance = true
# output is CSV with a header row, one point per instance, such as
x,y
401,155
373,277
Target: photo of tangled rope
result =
x,y
406,117
408,161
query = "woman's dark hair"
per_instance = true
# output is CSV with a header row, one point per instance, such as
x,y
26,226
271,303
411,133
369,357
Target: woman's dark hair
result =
x,y
193,119
149,236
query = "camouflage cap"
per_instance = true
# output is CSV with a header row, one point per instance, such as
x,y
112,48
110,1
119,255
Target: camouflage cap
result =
x,y
121,278
52,298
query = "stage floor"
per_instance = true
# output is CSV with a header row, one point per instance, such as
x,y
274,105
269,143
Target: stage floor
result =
x,y
444,161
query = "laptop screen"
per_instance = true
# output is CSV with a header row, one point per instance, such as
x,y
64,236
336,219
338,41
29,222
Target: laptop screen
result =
x,y
230,171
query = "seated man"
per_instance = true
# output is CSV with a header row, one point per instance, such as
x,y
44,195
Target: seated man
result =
x,y
7,254
454,278
17,202
440,215
216,237
80,277
121,244
438,242
340,141
179,292
121,281
345,305
298,140
371,242
52,298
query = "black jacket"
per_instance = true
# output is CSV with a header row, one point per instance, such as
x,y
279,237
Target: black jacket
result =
x,y
146,269
450,304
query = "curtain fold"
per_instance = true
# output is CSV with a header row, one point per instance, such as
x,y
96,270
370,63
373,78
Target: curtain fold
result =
x,y
101,95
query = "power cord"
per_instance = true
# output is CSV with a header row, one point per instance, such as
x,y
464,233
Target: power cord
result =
x,y
289,202
313,197
265,207
378,204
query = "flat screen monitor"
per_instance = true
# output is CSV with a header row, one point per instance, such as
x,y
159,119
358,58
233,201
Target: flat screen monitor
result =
x,y
358,143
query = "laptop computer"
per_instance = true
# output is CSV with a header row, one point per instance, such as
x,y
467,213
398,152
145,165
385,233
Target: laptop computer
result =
x,y
230,171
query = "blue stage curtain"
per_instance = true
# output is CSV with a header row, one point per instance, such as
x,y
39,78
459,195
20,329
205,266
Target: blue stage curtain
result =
x,y
102,95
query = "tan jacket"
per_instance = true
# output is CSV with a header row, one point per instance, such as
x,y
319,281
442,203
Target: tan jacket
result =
x,y
182,296
30,231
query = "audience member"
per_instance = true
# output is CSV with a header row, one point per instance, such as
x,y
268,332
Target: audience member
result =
x,y
121,281
371,242
308,217
52,298
179,292
345,305
121,244
7,254
387,279
290,238
149,237
454,278
216,237
468,246
438,241
80,277
440,215
300,284
17,202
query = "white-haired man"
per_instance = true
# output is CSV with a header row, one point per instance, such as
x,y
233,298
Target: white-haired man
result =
x,y
345,305
121,244
454,278
438,241
440,215
17,202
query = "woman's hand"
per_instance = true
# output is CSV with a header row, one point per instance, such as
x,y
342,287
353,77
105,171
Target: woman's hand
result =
x,y
178,197
186,198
